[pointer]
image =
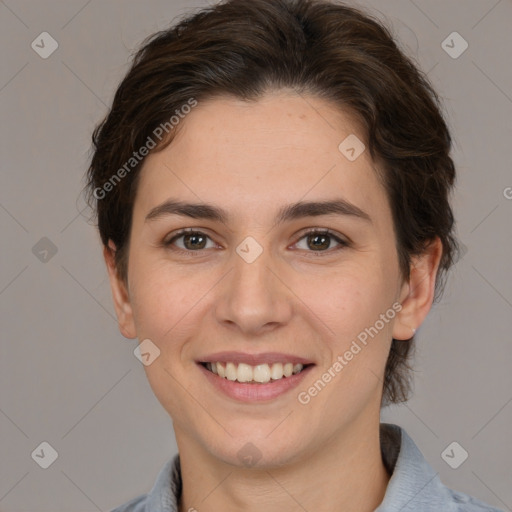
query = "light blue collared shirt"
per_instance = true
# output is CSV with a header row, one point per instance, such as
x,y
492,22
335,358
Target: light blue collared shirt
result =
x,y
414,486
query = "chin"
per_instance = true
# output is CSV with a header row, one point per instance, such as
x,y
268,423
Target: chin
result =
x,y
258,452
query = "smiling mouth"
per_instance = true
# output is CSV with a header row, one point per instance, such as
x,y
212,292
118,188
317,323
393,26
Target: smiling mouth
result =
x,y
258,374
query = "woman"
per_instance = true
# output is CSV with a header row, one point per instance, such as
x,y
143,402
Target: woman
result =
x,y
272,188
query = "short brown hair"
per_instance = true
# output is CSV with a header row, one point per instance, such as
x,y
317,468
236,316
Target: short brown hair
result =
x,y
245,48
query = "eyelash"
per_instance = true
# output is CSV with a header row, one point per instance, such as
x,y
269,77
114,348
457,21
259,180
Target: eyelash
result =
x,y
316,231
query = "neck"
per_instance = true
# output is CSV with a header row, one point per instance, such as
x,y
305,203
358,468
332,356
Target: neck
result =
x,y
347,473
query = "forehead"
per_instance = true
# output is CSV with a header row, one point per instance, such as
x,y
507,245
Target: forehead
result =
x,y
279,149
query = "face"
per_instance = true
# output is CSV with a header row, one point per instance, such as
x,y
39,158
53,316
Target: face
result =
x,y
255,284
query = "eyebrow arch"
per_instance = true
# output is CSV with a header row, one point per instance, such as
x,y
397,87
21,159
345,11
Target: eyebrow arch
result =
x,y
289,212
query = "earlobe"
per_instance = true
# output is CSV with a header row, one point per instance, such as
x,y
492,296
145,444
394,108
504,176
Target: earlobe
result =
x,y
418,293
120,294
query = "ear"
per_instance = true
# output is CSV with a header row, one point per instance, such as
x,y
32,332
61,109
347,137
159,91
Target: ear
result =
x,y
119,294
417,294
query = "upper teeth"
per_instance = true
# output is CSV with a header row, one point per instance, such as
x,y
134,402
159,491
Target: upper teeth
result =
x,y
260,373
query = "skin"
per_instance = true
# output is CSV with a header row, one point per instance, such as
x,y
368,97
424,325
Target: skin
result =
x,y
251,159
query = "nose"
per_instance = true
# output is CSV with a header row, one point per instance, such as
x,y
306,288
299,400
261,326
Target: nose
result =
x,y
254,297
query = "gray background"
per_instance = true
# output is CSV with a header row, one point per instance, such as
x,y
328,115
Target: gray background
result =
x,y
69,378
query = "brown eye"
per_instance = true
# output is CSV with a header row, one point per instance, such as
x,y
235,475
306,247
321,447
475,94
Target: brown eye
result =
x,y
192,240
318,241
321,241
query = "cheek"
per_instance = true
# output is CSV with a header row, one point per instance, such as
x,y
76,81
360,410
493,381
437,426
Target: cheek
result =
x,y
166,307
350,304
167,302
349,300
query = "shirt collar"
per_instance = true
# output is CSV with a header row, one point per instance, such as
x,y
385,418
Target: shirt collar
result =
x,y
412,484
166,492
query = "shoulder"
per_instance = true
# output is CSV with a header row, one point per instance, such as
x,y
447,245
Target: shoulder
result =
x,y
164,495
414,485
137,504
465,503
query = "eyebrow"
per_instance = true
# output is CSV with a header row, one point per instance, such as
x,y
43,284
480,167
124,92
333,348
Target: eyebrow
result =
x,y
287,213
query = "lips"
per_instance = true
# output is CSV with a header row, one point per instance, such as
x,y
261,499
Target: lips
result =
x,y
254,377
254,359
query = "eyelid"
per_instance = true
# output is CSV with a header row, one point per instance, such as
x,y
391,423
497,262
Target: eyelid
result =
x,y
342,241
168,240
322,231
